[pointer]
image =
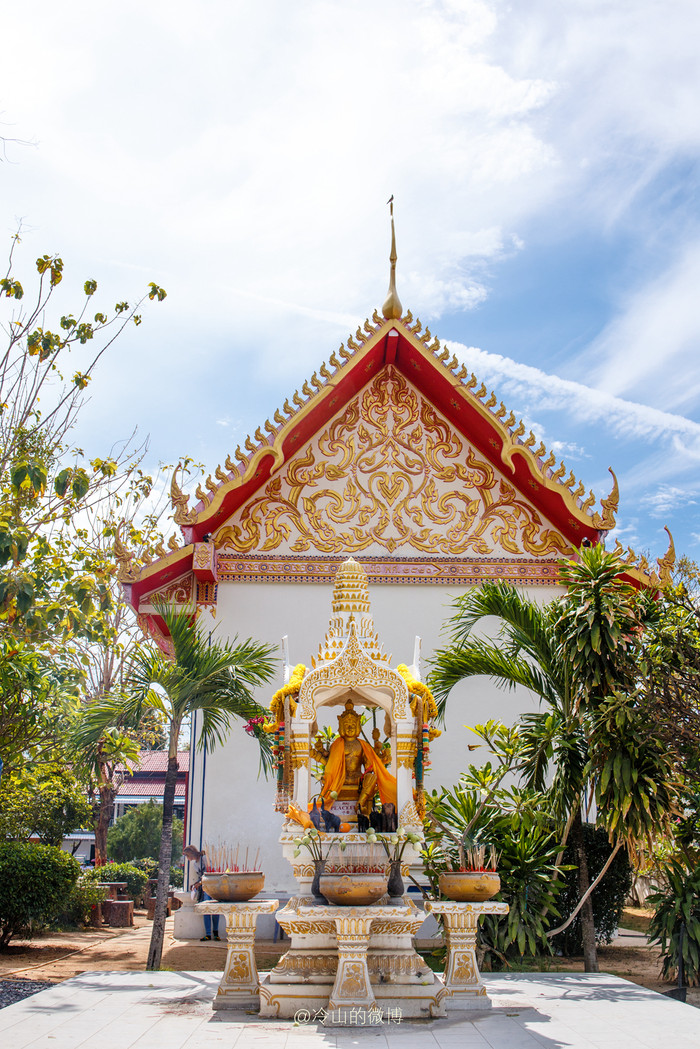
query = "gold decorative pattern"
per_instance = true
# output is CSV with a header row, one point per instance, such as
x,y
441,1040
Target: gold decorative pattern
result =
x,y
305,965
405,751
206,595
179,501
667,562
127,570
238,967
438,571
353,668
299,749
390,472
606,521
177,593
350,600
354,980
408,817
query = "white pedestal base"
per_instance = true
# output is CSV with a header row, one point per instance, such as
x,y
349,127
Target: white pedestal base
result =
x,y
239,987
348,965
464,987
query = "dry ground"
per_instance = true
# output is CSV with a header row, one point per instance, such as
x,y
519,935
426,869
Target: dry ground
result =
x,y
58,956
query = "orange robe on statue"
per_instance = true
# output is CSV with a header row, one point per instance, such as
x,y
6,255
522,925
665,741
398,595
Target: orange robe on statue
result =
x,y
334,775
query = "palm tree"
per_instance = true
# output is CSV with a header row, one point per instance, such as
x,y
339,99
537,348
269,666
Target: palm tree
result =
x,y
527,653
583,655
211,677
103,762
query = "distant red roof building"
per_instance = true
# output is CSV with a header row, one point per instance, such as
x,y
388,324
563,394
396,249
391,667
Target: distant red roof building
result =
x,y
146,779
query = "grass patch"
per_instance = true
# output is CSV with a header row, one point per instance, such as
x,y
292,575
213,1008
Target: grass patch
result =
x,y
636,918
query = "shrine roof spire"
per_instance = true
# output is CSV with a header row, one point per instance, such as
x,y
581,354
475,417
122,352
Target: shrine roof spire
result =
x,y
392,308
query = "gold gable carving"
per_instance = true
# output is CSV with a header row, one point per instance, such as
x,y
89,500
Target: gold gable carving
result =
x,y
390,472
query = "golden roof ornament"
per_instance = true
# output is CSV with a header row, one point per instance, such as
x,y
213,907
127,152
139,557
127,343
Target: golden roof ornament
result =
x,y
667,562
179,501
350,591
392,308
127,571
607,521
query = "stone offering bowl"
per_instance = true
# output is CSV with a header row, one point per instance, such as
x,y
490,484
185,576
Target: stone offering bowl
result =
x,y
233,886
353,890
469,886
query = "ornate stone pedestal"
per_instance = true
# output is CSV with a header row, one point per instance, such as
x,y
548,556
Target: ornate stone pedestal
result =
x,y
346,964
239,988
463,984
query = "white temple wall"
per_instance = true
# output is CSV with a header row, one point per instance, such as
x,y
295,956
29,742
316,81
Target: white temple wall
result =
x,y
237,805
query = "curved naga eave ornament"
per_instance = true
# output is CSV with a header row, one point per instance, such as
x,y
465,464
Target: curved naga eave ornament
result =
x,y
353,668
609,505
127,570
667,562
179,501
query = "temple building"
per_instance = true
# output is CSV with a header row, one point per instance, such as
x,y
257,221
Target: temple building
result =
x,y
392,454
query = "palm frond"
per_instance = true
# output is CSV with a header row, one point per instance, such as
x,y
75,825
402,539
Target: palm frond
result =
x,y
482,658
524,625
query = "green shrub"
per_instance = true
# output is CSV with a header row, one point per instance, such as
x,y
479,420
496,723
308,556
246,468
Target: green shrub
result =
x,y
150,867
135,879
137,834
83,897
527,850
35,882
608,899
675,906
177,877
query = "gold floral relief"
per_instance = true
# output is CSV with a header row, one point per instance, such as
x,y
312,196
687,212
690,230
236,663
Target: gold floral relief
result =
x,y
354,980
178,593
390,472
239,968
464,970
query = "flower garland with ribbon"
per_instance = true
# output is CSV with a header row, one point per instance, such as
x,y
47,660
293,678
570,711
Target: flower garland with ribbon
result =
x,y
291,689
280,744
418,690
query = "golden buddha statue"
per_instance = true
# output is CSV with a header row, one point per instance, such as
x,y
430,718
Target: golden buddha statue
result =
x,y
354,769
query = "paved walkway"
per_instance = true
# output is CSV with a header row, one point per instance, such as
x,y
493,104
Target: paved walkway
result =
x,y
168,1010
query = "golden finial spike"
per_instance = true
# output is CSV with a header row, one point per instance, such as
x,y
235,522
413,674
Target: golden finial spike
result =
x,y
392,308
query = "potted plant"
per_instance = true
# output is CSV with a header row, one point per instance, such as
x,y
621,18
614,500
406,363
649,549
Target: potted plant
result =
x,y
394,846
313,840
230,879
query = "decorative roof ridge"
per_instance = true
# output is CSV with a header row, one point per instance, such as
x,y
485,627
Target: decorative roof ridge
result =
x,y
238,471
637,566
130,564
512,431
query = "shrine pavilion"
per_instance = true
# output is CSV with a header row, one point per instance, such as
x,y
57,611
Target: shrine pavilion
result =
x,y
393,454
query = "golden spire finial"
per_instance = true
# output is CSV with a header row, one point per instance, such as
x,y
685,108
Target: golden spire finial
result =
x,y
392,308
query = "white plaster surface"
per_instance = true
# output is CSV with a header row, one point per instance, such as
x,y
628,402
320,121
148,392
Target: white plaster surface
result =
x,y
167,1010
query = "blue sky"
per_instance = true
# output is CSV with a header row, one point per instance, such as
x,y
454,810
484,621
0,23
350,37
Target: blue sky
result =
x,y
545,164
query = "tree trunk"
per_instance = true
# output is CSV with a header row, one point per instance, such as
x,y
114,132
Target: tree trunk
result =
x,y
590,954
155,950
105,812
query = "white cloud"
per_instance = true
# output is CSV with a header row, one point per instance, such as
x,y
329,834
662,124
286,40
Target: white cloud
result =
x,y
569,449
627,418
667,498
656,337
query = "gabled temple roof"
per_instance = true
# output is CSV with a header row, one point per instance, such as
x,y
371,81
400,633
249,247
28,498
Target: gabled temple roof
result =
x,y
435,371
399,343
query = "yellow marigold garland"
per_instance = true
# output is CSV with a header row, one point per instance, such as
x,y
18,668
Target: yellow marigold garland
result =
x,y
290,689
418,688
